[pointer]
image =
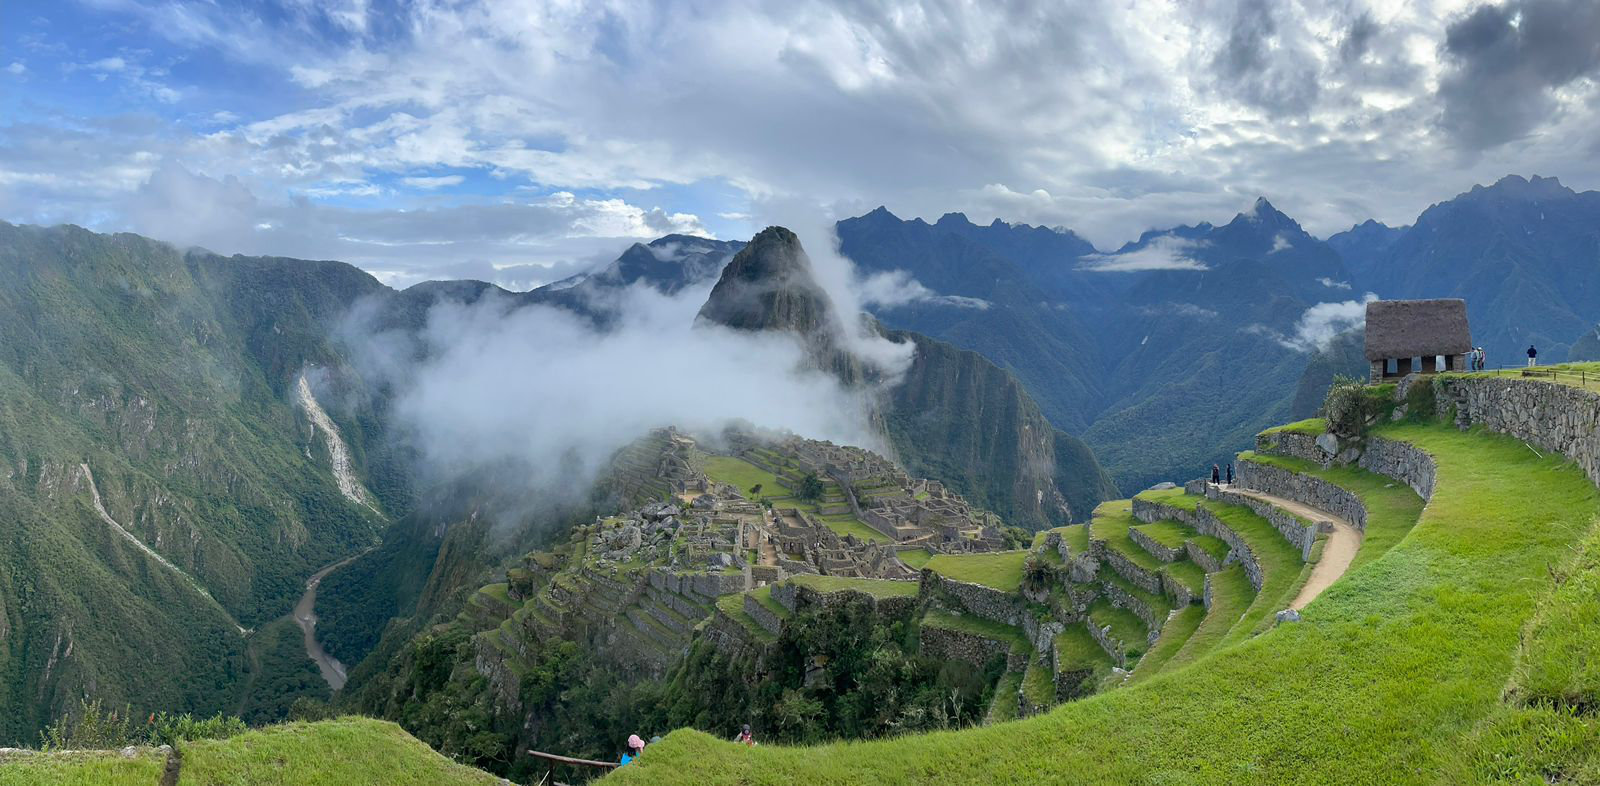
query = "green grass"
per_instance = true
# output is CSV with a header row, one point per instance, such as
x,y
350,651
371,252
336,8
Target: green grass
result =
x,y
846,524
1111,523
1231,594
497,591
1077,538
1281,566
1188,574
877,588
1003,707
1038,684
1076,648
1394,675
1158,603
349,751
763,596
1216,547
916,558
1392,508
83,768
1126,626
1001,570
977,626
733,606
1168,533
744,476
1174,635
1311,427
1173,497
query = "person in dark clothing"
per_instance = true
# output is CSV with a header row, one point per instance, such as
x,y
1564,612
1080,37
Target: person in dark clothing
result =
x,y
1230,473
1533,356
1216,474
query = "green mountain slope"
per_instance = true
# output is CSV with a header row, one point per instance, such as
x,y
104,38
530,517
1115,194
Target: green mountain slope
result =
x,y
163,385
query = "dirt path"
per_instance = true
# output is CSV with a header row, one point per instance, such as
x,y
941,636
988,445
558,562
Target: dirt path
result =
x,y
1337,553
305,615
100,508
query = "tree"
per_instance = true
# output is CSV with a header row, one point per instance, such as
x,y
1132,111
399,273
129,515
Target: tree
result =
x,y
755,490
810,488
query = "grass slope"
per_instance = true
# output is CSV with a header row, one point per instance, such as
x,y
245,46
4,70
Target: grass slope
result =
x,y
1384,681
1001,570
344,752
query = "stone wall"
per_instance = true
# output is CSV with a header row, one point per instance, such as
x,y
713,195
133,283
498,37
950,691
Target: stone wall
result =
x,y
939,642
1293,445
1153,619
1112,647
1206,523
986,602
1305,489
1161,552
1207,562
1402,461
1139,577
763,616
1550,416
1175,589
1300,532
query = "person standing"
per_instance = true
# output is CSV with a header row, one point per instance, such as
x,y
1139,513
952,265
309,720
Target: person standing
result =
x,y
1230,473
1533,356
1483,359
1216,475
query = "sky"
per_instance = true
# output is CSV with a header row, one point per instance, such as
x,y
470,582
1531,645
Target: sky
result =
x,y
520,142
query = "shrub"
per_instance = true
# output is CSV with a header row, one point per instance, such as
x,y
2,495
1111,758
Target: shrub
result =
x,y
91,727
167,729
1352,404
1422,400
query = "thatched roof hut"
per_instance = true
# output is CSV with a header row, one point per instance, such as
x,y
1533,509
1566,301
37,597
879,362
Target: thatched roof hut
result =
x,y
1417,328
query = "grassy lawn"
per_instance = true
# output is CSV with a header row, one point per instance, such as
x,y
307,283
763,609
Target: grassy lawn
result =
x,y
743,475
1004,705
83,768
763,596
1311,427
733,606
1126,626
847,524
1281,566
1158,603
916,558
1039,685
345,752
1076,648
878,588
977,626
1189,575
1001,570
1111,523
1168,533
1174,635
1173,497
1395,675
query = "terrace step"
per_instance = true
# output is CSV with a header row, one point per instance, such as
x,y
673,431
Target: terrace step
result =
x,y
1119,631
1228,594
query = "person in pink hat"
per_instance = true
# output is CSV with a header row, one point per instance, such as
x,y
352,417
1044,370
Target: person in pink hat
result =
x,y
635,747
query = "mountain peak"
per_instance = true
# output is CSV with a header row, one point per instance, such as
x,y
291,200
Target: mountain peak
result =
x,y
953,219
769,286
1519,187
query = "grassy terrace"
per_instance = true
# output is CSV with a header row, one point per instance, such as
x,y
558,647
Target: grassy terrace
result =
x,y
1231,594
1076,648
1039,685
763,596
1126,626
733,606
1580,375
745,476
1189,575
1417,643
1168,533
1003,707
1281,567
1111,523
1391,507
1001,570
878,588
1311,427
84,768
1216,547
1160,604
977,626
1174,635
916,558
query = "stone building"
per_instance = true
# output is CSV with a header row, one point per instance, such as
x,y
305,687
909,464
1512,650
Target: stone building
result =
x,y
1417,336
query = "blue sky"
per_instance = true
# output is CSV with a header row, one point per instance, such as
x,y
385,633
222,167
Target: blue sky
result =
x,y
519,141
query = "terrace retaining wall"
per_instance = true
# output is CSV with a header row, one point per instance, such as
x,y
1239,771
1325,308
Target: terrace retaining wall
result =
x,y
1299,532
1293,445
959,645
1206,523
1304,489
1157,550
1549,415
987,602
1402,461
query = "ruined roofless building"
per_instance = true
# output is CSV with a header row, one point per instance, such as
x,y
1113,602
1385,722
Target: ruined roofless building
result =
x,y
1417,336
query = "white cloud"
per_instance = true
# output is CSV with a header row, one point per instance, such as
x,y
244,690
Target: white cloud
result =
x,y
16,68
1162,253
1279,242
895,288
1321,322
426,183
1331,284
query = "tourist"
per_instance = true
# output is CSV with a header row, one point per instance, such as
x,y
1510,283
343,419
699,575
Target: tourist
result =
x,y
1216,475
1230,473
635,747
745,737
1483,359
1533,356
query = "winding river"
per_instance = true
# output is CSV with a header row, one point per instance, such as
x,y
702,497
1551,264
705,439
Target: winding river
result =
x,y
305,615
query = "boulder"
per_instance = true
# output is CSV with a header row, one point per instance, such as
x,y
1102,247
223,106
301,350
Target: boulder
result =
x,y
1288,615
1328,443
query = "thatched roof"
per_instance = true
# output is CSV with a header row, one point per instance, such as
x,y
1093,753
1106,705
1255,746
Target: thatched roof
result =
x,y
1416,328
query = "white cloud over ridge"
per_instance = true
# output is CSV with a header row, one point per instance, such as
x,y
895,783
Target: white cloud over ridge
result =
x,y
1167,252
1322,322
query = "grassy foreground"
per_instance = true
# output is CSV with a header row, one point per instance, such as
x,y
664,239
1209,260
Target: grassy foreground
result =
x,y
348,751
1395,675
